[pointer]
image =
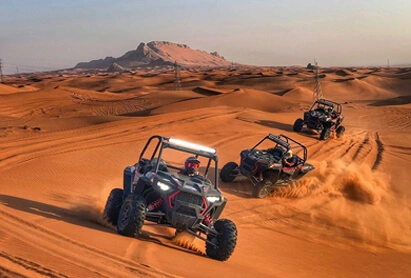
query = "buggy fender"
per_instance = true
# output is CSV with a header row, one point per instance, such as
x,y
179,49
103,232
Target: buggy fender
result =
x,y
339,120
289,170
307,168
140,185
128,177
219,209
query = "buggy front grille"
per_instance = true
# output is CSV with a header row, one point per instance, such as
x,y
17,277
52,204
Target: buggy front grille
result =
x,y
189,198
312,121
187,202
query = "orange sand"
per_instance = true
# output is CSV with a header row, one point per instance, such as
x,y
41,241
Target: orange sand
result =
x,y
65,140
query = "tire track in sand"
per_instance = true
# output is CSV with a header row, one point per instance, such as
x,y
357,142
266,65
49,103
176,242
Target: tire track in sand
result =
x,y
29,266
98,263
371,150
380,151
23,151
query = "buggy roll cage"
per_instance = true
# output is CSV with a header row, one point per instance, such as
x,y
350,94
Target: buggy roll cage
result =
x,y
285,142
325,102
184,146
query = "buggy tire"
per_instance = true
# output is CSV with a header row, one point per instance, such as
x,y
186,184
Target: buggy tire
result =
x,y
325,133
227,173
298,125
225,241
262,189
113,205
339,132
132,216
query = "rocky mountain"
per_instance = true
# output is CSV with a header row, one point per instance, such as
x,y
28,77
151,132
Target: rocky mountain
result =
x,y
159,53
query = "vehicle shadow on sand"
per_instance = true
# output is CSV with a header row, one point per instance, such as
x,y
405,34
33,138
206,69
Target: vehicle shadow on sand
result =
x,y
267,123
54,212
286,127
78,218
242,188
310,133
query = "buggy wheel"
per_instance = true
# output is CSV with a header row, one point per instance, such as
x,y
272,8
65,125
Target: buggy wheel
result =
x,y
262,189
225,241
298,125
132,216
227,173
113,205
340,131
325,134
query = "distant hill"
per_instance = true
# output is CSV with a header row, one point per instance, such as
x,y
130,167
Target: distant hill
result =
x,y
159,53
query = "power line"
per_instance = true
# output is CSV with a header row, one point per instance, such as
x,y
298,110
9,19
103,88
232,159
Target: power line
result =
x,y
29,66
10,68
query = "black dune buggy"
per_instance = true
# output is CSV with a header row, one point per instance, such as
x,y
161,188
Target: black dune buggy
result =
x,y
263,164
156,191
325,117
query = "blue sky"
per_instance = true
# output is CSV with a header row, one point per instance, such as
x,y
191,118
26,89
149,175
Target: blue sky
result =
x,y
37,35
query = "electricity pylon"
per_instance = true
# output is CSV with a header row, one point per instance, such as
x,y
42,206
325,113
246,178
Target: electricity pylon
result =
x,y
317,87
1,73
177,77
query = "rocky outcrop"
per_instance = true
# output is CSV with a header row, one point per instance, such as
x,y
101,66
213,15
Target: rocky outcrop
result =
x,y
116,68
101,63
160,53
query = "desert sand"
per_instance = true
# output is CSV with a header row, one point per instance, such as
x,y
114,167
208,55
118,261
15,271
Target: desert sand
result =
x,y
66,138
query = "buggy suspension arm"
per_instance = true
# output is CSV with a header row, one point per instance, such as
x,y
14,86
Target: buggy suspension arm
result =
x,y
202,230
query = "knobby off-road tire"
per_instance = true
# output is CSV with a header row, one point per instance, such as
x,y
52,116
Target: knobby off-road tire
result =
x,y
325,134
113,205
225,241
132,216
227,173
340,131
263,189
298,125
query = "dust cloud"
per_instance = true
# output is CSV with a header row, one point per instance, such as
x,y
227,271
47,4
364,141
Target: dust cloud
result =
x,y
335,178
349,203
90,206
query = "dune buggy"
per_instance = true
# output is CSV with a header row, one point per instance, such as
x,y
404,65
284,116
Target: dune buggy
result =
x,y
263,164
157,191
325,117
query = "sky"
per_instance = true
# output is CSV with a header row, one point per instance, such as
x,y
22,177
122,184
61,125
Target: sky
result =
x,y
42,35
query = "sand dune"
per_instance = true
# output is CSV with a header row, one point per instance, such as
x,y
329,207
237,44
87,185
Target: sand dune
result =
x,y
300,93
65,140
242,98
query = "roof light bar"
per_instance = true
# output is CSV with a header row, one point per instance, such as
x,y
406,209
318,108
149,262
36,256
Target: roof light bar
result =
x,y
192,145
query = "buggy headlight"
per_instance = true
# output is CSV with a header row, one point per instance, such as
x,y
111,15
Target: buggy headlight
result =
x,y
213,199
163,186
